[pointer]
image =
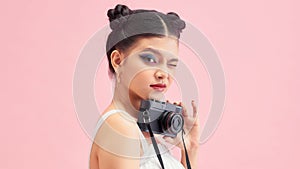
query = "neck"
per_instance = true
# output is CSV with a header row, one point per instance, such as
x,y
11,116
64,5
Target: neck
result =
x,y
124,100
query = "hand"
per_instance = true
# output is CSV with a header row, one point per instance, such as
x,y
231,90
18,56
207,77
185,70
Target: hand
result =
x,y
191,128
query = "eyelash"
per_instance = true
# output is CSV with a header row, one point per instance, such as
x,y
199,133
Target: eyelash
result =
x,y
151,59
173,65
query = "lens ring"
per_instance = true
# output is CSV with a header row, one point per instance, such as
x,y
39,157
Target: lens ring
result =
x,y
169,121
164,121
176,123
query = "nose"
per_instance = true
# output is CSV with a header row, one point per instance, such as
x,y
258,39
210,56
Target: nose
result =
x,y
160,74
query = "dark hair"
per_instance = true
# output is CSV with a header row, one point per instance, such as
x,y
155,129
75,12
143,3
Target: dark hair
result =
x,y
129,25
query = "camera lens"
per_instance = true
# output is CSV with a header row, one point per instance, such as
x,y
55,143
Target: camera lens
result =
x,y
172,122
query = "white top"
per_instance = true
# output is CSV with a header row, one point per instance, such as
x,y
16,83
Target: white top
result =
x,y
149,159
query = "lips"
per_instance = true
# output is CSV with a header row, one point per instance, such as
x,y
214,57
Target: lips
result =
x,y
158,87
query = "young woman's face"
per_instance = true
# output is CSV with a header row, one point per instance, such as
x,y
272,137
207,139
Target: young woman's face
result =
x,y
149,67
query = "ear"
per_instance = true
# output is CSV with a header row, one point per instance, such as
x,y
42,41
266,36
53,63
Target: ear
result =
x,y
116,58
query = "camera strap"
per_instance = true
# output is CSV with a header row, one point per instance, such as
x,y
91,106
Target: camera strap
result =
x,y
157,150
188,164
155,146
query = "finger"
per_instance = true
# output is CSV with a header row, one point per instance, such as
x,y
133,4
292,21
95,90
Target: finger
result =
x,y
168,139
194,108
184,111
195,111
174,141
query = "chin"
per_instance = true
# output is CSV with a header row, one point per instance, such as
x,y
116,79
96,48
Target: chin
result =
x,y
157,96
148,95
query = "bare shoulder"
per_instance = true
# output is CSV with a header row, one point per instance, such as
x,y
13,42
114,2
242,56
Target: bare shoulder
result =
x,y
116,143
123,124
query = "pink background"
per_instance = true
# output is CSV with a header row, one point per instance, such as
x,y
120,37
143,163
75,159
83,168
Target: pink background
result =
x,y
258,45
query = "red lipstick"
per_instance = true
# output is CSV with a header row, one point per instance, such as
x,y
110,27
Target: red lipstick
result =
x,y
160,87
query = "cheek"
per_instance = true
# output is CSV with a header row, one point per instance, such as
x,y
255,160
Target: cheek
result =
x,y
141,81
170,81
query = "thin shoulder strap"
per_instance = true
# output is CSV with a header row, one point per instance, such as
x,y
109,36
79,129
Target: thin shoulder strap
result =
x,y
144,142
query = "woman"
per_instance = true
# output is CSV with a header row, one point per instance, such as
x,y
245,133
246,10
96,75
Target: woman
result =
x,y
142,52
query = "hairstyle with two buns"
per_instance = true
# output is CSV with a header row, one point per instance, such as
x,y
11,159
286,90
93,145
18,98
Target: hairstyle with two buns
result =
x,y
129,25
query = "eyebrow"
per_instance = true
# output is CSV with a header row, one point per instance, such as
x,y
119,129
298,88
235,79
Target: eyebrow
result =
x,y
173,60
158,53
152,50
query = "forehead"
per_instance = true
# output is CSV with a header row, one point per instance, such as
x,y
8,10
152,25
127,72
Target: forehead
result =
x,y
166,45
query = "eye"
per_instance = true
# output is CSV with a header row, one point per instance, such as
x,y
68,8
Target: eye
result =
x,y
173,65
148,58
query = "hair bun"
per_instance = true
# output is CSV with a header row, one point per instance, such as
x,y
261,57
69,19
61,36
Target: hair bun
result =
x,y
174,17
173,14
117,15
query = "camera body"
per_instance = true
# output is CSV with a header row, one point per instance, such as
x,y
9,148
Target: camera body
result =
x,y
164,118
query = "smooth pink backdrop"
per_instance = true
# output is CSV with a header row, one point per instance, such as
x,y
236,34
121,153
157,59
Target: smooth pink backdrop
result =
x,y
258,45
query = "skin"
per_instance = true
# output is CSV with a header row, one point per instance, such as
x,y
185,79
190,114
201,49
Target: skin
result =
x,y
144,71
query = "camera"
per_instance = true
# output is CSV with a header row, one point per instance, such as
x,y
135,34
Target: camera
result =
x,y
164,118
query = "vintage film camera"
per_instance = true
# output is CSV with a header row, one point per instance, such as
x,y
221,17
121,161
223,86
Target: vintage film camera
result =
x,y
164,118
